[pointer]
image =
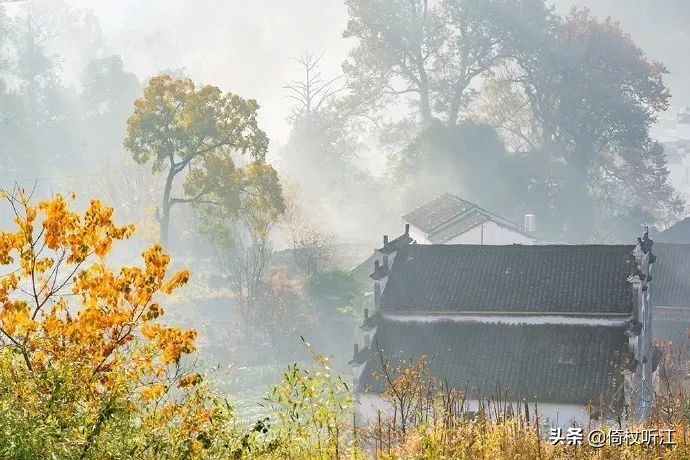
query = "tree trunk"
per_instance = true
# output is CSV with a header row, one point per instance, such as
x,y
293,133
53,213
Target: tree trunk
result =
x,y
167,204
424,99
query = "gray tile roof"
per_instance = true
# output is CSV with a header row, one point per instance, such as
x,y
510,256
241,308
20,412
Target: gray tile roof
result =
x,y
448,216
676,233
670,286
437,212
513,279
546,363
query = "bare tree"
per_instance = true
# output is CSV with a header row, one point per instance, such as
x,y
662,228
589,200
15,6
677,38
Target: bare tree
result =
x,y
245,263
313,92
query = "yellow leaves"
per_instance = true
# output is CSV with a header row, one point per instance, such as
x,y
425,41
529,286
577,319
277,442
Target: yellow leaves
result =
x,y
173,341
43,265
190,380
153,312
65,312
8,283
153,392
106,311
178,279
15,318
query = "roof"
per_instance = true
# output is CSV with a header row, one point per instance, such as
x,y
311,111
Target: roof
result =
x,y
676,233
515,279
671,275
437,212
546,363
448,216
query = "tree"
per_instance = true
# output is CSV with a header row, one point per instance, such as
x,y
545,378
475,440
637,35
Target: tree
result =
x,y
177,127
594,95
107,97
87,369
324,140
428,51
468,159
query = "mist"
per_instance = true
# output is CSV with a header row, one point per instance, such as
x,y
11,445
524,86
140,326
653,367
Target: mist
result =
x,y
343,141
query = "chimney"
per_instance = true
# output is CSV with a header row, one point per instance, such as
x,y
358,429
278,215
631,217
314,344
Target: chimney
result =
x,y
376,265
530,223
366,314
407,229
385,240
356,351
377,294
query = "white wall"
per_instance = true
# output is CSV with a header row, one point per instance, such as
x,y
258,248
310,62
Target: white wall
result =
x,y
563,415
486,233
418,235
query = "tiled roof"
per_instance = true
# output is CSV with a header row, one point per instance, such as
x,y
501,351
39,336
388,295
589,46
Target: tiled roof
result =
x,y
510,279
670,286
547,363
471,220
362,272
448,216
437,212
676,233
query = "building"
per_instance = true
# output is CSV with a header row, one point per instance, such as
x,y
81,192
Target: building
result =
x,y
671,287
449,219
565,329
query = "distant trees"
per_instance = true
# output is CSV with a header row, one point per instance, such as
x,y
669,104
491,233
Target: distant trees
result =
x,y
179,128
574,98
56,115
425,52
594,95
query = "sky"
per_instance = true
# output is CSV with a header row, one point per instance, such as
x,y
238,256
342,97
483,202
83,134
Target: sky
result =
x,y
242,46
247,46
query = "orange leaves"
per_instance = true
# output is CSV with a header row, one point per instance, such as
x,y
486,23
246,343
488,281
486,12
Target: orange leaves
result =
x,y
153,392
173,341
190,380
178,279
92,233
102,312
77,330
15,318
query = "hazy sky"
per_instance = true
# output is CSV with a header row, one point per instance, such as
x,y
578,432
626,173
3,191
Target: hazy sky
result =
x,y
246,45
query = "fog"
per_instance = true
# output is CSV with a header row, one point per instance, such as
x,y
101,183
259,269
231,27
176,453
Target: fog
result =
x,y
342,165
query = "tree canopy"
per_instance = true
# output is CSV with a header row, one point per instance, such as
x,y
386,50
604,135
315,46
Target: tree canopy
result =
x,y
177,127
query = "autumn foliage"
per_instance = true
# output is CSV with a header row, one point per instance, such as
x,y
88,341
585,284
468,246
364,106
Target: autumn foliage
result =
x,y
87,370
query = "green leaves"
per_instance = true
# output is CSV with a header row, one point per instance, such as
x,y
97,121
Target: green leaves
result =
x,y
179,128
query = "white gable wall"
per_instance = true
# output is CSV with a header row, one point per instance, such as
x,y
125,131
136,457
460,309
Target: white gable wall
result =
x,y
486,233
418,235
490,233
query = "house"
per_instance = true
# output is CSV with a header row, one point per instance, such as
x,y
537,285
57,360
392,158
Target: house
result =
x,y
562,329
671,290
449,219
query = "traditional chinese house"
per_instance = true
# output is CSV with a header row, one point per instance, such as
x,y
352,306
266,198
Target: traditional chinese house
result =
x,y
449,219
671,287
565,329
